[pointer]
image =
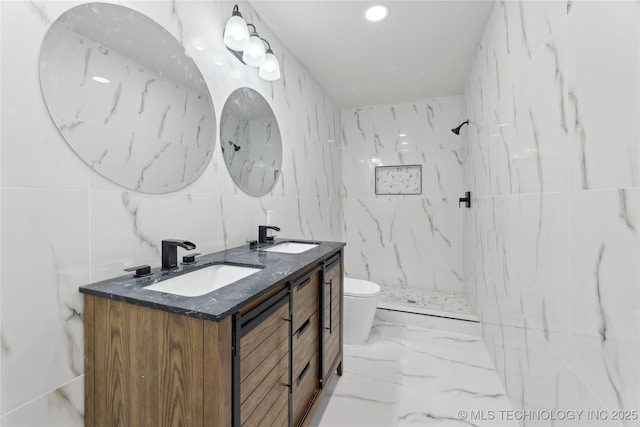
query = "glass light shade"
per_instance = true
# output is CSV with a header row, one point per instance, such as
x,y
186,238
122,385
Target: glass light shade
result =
x,y
236,33
255,54
270,70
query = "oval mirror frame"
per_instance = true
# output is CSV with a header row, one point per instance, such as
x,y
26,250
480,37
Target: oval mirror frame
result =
x,y
251,142
126,98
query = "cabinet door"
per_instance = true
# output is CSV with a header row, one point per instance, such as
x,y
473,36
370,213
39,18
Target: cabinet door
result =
x,y
261,363
331,296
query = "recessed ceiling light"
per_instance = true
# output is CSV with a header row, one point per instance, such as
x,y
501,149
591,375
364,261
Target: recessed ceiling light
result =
x,y
377,13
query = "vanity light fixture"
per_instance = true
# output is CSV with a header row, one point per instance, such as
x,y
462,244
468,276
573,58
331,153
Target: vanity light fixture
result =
x,y
270,70
377,13
249,48
255,53
236,33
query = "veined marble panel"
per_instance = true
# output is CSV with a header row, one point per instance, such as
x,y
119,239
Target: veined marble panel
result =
x,y
404,134
605,249
46,255
404,241
541,265
131,220
604,42
541,117
61,407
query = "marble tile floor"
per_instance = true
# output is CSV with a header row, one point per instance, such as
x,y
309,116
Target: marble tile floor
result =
x,y
422,300
410,376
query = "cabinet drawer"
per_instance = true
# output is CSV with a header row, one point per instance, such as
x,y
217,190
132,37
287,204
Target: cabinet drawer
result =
x,y
305,385
305,344
305,299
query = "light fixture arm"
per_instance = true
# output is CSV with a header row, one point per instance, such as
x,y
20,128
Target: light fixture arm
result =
x,y
268,45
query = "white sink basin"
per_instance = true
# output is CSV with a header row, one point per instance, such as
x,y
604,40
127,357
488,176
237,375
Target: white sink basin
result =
x,y
203,281
290,247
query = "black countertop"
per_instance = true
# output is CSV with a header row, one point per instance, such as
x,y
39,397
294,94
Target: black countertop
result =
x,y
216,305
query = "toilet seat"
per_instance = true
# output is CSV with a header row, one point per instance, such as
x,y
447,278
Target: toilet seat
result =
x,y
360,288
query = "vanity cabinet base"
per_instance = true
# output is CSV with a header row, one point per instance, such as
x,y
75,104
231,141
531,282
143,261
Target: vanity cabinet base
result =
x,y
148,367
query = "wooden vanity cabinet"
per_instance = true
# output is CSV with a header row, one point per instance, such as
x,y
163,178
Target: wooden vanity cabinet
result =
x,y
265,365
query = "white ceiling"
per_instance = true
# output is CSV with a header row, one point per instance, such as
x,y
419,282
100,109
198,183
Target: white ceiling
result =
x,y
422,50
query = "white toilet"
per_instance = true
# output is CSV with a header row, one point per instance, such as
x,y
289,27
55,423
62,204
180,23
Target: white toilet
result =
x,y
360,302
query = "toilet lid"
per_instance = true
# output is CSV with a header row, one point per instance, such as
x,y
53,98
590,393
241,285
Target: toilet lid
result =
x,y
360,288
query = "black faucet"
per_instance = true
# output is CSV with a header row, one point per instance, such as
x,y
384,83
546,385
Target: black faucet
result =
x,y
262,233
170,252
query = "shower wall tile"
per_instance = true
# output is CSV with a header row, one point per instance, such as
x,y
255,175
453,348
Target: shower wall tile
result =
x,y
553,164
539,149
605,248
540,269
530,24
414,240
64,225
604,41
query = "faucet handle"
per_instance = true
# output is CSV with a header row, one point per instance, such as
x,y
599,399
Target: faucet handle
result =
x,y
140,270
190,258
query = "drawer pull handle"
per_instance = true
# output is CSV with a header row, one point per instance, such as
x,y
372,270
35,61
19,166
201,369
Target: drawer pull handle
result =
x,y
330,283
304,327
304,372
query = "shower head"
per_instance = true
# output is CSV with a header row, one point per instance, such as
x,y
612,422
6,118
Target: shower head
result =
x,y
457,130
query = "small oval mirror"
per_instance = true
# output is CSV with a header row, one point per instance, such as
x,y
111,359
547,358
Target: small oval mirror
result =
x,y
126,98
250,141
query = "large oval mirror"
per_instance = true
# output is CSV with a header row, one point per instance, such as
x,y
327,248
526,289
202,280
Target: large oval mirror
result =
x,y
250,141
126,98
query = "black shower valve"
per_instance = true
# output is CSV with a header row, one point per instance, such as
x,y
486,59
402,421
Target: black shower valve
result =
x,y
466,200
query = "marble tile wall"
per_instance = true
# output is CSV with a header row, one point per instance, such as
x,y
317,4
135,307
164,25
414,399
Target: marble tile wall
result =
x,y
553,242
404,240
63,225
